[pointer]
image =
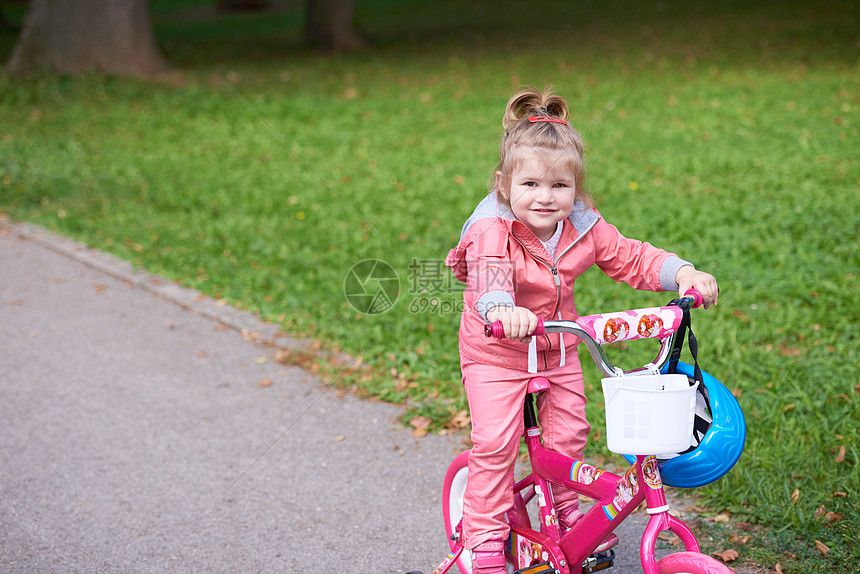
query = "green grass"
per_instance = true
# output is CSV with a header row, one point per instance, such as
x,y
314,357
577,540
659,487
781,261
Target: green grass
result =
x,y
738,125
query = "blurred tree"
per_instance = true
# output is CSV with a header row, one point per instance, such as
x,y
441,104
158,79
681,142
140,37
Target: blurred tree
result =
x,y
329,24
102,36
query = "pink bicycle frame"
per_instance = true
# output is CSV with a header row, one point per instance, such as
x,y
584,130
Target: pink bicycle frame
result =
x,y
615,498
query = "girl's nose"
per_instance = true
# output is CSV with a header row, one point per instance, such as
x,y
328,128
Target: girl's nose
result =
x,y
543,195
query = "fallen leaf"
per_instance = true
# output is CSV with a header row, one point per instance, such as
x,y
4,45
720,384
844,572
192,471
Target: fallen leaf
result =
x,y
840,494
100,288
202,355
265,383
832,517
420,422
339,438
795,496
737,539
822,547
722,517
727,555
461,419
418,433
778,568
787,408
840,456
670,538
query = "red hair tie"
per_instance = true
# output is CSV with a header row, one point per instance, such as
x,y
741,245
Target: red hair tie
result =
x,y
535,119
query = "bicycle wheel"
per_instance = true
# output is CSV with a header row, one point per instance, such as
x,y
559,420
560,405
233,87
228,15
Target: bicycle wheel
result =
x,y
452,504
691,563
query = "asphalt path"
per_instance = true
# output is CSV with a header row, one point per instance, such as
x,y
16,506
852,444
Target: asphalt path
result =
x,y
146,428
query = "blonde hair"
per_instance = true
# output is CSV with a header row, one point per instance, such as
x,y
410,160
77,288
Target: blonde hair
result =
x,y
557,141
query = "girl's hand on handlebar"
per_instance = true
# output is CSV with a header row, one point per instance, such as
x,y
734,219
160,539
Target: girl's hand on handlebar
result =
x,y
689,278
519,322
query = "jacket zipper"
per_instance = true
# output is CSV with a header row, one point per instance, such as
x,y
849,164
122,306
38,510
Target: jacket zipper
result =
x,y
557,259
554,268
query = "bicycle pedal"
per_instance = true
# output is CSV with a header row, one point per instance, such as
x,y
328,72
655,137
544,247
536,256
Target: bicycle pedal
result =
x,y
599,561
542,568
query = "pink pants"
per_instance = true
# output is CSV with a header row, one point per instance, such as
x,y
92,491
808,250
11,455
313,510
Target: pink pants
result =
x,y
496,397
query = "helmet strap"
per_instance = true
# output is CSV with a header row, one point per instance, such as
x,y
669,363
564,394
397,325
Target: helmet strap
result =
x,y
685,329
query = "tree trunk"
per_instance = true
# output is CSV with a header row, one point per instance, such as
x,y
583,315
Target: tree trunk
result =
x,y
85,36
329,24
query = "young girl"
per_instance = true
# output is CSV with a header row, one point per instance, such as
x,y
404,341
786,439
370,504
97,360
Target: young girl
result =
x,y
519,254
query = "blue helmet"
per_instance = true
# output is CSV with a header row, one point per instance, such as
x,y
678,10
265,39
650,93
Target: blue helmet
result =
x,y
720,447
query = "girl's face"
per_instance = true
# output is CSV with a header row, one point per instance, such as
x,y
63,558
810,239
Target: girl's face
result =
x,y
541,194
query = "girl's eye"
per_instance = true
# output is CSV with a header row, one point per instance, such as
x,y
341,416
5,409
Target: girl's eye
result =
x,y
531,184
560,185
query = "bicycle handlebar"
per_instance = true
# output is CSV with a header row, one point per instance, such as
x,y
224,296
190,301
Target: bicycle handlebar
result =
x,y
696,296
597,330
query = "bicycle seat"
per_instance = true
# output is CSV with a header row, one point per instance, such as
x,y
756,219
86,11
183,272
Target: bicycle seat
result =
x,y
538,384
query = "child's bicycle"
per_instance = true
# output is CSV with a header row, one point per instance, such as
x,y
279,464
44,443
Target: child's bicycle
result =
x,y
583,548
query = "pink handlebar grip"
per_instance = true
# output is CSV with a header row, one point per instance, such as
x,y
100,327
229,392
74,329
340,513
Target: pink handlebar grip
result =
x,y
497,331
697,297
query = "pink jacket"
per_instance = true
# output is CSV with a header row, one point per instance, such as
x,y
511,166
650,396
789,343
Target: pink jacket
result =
x,y
503,262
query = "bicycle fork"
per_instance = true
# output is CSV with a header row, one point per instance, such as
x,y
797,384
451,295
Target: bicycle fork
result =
x,y
660,519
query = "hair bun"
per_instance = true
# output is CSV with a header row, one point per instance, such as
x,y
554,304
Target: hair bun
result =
x,y
530,102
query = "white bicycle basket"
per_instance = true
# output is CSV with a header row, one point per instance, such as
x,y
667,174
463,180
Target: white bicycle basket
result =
x,y
649,413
